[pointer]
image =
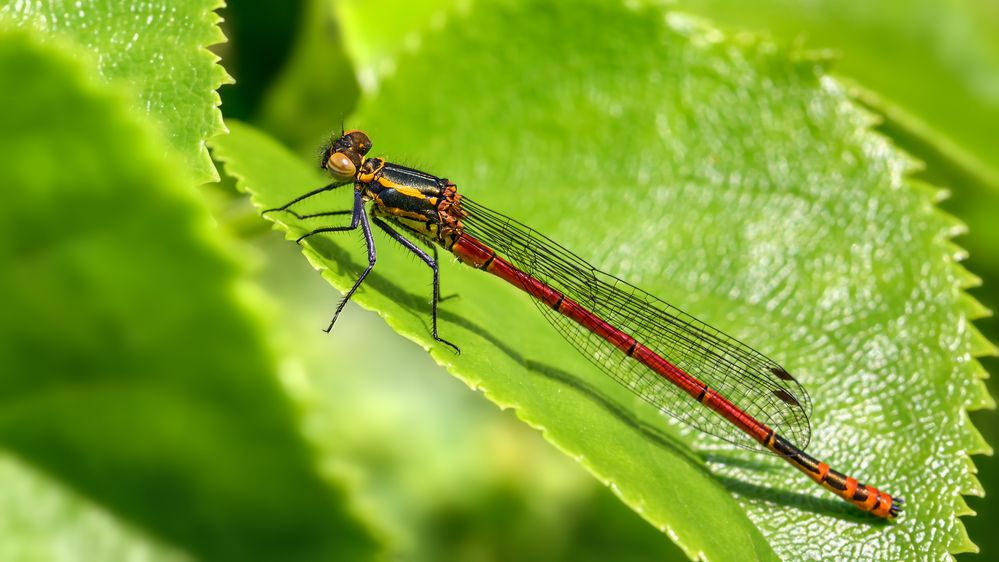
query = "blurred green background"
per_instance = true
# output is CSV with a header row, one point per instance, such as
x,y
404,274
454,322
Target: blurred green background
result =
x,y
444,474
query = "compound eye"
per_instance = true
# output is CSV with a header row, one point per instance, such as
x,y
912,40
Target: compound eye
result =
x,y
341,166
359,141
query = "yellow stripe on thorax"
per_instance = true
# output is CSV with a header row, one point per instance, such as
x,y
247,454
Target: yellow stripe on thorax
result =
x,y
400,188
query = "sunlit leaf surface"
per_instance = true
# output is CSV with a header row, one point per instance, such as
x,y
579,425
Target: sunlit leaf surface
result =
x,y
158,48
734,180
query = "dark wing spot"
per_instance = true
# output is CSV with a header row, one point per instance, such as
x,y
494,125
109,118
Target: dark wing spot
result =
x,y
786,397
780,373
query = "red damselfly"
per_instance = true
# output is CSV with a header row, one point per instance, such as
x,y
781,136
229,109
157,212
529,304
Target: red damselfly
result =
x,y
679,364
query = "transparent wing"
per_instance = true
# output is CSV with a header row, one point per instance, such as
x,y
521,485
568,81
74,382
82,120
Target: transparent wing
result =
x,y
747,378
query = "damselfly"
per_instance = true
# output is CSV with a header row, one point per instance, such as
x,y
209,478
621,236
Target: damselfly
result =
x,y
679,364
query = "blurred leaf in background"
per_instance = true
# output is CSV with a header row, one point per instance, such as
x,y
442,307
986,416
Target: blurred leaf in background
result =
x,y
43,520
135,370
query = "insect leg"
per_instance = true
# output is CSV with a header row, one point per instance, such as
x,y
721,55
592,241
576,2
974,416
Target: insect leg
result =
x,y
317,191
356,218
360,217
430,261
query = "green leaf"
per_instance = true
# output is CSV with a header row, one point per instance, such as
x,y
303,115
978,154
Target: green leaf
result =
x,y
929,65
731,178
159,49
134,370
42,519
